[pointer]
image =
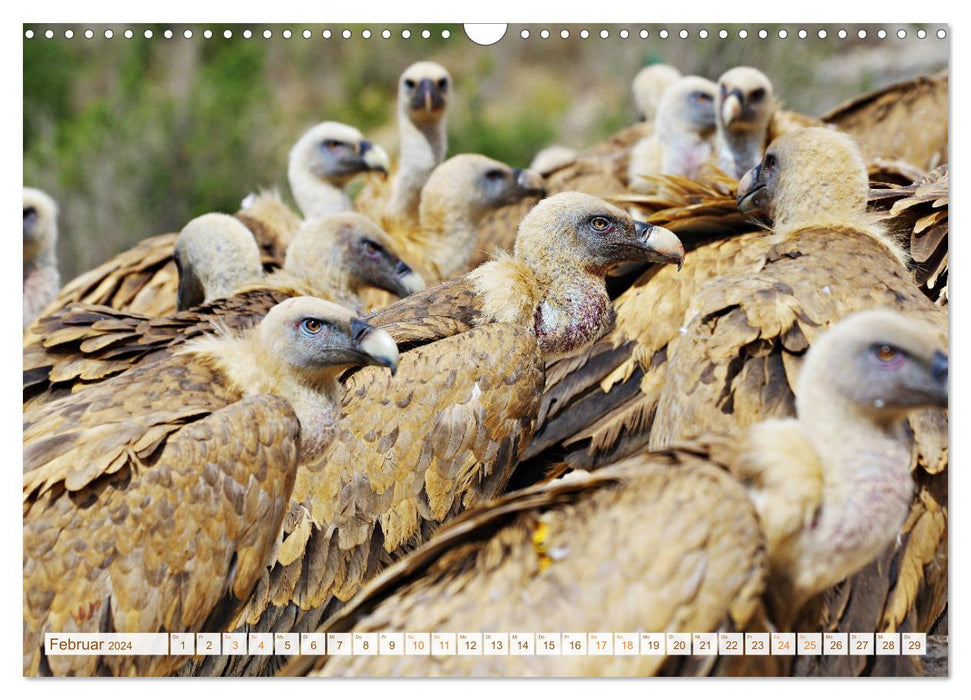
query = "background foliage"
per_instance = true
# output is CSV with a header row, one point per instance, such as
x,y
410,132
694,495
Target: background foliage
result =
x,y
134,137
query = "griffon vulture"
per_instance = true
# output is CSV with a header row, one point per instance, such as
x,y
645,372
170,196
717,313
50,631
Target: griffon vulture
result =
x,y
153,502
41,276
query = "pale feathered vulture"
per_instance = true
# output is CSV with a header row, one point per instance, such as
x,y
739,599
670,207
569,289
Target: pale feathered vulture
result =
x,y
144,279
721,345
153,501
693,539
445,432
41,276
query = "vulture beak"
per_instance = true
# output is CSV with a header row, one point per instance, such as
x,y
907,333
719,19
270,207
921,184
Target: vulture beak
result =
x,y
660,244
375,158
406,281
427,98
375,346
731,107
939,374
530,182
752,196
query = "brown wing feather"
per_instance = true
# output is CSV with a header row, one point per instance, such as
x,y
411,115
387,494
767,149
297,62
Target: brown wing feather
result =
x,y
411,452
918,213
173,534
144,279
432,314
81,345
906,121
580,554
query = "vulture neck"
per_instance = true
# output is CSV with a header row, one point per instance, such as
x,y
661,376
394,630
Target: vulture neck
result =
x,y
567,308
683,153
447,235
423,147
253,369
739,151
41,284
866,484
316,197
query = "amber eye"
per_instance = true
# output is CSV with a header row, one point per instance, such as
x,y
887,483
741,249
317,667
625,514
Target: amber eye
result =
x,y
886,355
311,325
332,144
600,223
371,248
701,97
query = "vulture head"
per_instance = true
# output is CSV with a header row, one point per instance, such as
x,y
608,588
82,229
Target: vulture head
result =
x,y
688,105
215,254
40,227
649,86
476,184
334,153
317,339
745,100
423,92
601,234
745,106
882,362
808,177
352,247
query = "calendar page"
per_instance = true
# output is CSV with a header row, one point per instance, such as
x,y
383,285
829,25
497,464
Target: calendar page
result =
x,y
485,350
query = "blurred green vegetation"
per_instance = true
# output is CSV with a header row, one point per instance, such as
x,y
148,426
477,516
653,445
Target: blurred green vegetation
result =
x,y
134,137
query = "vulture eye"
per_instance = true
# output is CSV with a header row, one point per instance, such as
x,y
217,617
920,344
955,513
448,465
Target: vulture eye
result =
x,y
372,249
600,223
770,161
757,94
311,326
701,97
332,144
495,175
30,212
409,83
887,356
443,84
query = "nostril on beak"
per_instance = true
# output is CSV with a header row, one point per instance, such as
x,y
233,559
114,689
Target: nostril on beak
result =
x,y
359,329
939,366
402,268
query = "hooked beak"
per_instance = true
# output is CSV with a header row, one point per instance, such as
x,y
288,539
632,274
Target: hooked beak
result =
x,y
375,158
752,196
731,108
939,372
530,182
376,346
661,245
406,281
427,98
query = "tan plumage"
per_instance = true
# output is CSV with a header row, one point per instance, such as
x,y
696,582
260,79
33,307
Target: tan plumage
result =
x,y
918,213
143,513
681,142
906,121
668,540
144,279
446,431
720,344
337,258
41,276
455,202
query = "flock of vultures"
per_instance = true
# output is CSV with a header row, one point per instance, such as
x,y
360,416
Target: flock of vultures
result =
x,y
690,379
